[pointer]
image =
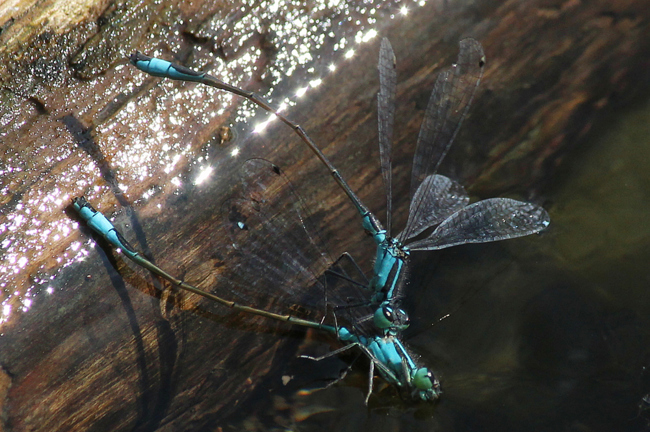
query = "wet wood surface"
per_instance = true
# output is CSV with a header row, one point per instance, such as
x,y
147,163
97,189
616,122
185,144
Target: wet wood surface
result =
x,y
112,349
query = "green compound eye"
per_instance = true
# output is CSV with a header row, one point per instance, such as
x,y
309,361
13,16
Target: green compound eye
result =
x,y
383,317
386,317
423,379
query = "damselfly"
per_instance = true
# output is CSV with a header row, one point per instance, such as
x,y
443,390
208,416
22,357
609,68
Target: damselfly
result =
x,y
273,270
436,200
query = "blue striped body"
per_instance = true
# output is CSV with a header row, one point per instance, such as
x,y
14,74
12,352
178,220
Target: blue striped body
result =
x,y
98,222
388,274
389,263
399,367
164,69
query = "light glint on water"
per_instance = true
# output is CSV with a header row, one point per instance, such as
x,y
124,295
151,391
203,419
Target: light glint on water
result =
x,y
155,147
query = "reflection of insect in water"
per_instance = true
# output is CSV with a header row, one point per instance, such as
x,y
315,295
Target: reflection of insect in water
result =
x,y
264,226
644,406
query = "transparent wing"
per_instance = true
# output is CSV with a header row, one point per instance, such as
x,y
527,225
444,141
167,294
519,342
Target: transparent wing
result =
x,y
274,261
278,260
386,113
486,221
448,105
350,302
436,199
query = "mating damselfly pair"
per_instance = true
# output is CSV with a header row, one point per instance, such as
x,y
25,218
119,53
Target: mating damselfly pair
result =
x,y
364,315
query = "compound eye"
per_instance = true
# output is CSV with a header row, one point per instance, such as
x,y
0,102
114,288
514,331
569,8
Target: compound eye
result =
x,y
384,317
424,379
405,318
401,319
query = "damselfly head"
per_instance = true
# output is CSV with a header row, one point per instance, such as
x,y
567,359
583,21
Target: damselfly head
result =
x,y
80,202
427,386
387,317
138,57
